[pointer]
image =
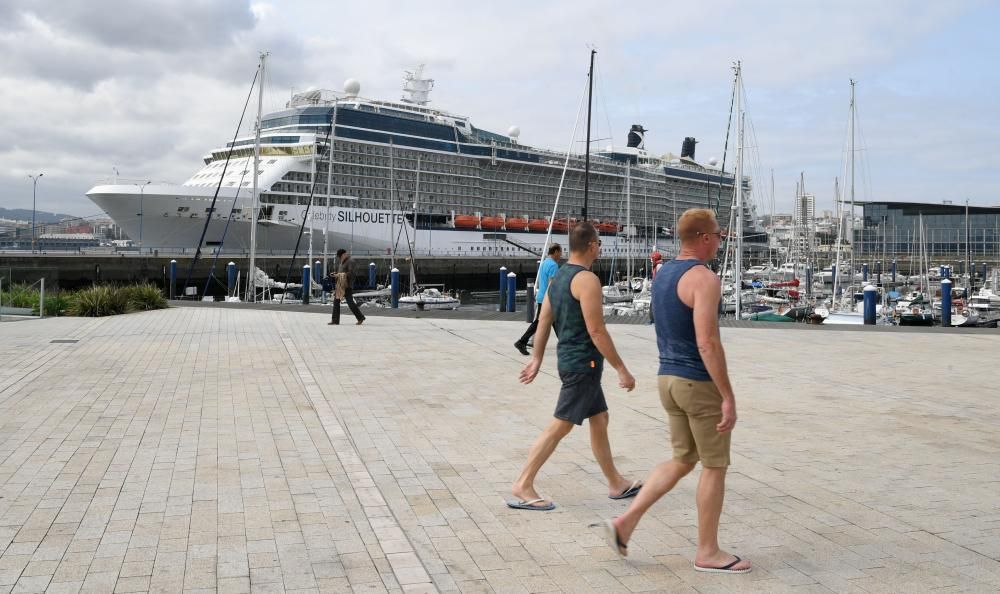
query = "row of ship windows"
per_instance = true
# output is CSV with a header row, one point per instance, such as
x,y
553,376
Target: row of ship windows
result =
x,y
244,162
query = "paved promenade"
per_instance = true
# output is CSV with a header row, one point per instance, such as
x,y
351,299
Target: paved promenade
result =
x,y
231,450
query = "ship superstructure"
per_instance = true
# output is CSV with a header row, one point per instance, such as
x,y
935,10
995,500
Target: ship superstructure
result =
x,y
404,176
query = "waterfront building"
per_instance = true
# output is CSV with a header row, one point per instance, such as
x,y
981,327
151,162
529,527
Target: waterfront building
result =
x,y
893,228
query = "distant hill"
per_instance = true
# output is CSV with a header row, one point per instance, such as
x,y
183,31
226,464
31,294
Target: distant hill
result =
x,y
24,214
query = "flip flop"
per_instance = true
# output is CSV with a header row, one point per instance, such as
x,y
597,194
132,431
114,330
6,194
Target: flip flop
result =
x,y
632,491
522,504
611,537
725,568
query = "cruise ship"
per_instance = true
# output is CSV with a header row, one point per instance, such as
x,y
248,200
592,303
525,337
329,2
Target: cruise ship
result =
x,y
400,177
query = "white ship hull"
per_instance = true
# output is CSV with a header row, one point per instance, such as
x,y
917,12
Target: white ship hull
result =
x,y
173,220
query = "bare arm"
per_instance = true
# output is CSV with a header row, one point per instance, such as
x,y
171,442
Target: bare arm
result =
x,y
706,293
541,339
544,329
586,287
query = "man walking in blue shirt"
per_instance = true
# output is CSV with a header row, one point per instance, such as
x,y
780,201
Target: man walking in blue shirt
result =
x,y
695,392
545,273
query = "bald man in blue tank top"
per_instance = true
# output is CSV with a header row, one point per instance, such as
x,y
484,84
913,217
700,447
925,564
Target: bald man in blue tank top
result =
x,y
694,390
573,307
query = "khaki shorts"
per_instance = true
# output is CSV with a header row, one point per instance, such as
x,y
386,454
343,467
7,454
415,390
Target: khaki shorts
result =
x,y
694,409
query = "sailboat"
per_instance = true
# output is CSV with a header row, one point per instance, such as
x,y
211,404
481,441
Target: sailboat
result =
x,y
843,309
916,308
734,295
427,296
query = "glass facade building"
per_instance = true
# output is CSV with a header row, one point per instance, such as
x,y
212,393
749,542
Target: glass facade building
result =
x,y
893,228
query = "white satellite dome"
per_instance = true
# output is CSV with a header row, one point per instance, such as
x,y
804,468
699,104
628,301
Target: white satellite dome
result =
x,y
352,87
514,131
713,161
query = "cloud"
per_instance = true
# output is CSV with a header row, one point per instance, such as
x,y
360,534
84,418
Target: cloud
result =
x,y
151,86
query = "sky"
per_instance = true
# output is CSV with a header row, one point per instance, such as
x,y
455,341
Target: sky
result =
x,y
150,87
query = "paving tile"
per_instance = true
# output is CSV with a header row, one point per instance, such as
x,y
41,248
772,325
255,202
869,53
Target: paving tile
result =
x,y
228,450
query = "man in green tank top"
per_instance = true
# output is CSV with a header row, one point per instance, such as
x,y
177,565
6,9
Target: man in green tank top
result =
x,y
573,306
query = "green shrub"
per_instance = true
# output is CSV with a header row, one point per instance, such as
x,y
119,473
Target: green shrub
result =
x,y
56,305
109,300
144,297
99,300
21,295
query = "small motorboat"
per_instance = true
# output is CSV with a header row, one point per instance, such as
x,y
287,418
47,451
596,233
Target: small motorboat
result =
x,y
429,298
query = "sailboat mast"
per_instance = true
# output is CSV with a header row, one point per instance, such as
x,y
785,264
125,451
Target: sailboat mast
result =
x,y
329,190
586,170
738,278
968,248
314,171
628,221
392,219
854,116
256,191
771,222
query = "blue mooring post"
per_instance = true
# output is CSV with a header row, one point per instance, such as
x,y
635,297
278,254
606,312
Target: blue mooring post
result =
x,y
529,305
305,284
871,297
894,272
173,279
984,271
809,281
511,292
864,273
231,278
394,287
371,275
878,273
946,303
503,288
317,272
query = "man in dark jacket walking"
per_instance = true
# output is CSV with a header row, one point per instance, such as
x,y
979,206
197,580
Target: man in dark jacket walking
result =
x,y
345,283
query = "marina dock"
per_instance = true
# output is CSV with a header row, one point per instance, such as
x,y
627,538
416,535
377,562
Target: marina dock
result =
x,y
238,449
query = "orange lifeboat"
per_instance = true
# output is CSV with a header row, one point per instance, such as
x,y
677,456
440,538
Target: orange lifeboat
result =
x,y
466,221
538,225
516,224
560,225
607,227
492,223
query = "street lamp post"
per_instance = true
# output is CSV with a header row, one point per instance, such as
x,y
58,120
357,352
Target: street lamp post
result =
x,y
142,188
34,188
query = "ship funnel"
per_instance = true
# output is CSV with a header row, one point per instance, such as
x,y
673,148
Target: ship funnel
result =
x,y
687,149
637,137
